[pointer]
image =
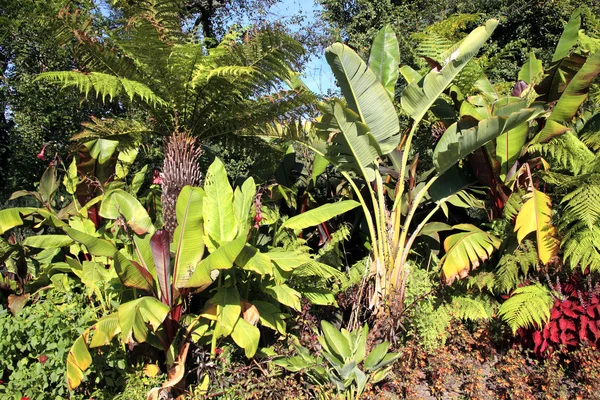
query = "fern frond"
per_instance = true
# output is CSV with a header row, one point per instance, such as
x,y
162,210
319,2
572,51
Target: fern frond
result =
x,y
483,280
528,307
590,133
566,150
583,203
513,205
104,85
433,45
514,267
581,247
472,308
317,269
128,133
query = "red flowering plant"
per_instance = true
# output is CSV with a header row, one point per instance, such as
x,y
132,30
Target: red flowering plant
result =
x,y
574,318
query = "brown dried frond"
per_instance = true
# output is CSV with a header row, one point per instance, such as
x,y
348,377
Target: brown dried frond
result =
x,y
180,168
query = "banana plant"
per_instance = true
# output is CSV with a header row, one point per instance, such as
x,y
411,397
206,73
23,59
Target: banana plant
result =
x,y
364,130
209,249
497,163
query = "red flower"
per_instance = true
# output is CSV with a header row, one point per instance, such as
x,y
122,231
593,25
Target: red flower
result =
x,y
25,398
156,178
43,359
218,351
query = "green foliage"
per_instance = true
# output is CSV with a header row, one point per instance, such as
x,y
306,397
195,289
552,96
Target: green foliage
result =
x,y
513,268
35,344
182,84
528,306
429,318
344,353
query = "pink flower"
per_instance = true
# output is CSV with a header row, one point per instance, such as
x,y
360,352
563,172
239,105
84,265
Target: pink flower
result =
x,y
41,153
43,358
156,178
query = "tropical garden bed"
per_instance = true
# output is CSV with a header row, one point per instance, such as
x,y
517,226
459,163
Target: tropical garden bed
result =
x,y
216,229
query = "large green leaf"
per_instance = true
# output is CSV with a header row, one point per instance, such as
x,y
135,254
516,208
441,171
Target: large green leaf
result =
x,y
457,143
251,259
188,239
510,144
418,97
246,336
11,217
319,215
227,300
94,276
136,315
531,69
117,203
242,202
571,99
385,59
288,260
353,147
219,218
130,274
285,295
221,258
365,95
48,184
48,241
102,149
335,342
569,37
79,358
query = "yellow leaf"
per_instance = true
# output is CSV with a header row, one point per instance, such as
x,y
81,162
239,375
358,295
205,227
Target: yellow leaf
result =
x,y
465,251
151,370
535,217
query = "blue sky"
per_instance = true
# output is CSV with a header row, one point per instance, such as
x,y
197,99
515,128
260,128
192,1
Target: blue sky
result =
x,y
317,75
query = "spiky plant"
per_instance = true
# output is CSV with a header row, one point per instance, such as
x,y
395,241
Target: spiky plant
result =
x,y
180,168
147,60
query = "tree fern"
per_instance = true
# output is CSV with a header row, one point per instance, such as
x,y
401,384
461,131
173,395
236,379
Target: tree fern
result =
x,y
528,307
208,92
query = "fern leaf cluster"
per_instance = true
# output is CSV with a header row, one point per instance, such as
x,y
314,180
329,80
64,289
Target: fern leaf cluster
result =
x,y
183,84
513,268
567,151
528,306
472,308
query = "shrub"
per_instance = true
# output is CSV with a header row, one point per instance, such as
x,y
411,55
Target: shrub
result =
x,y
574,318
34,346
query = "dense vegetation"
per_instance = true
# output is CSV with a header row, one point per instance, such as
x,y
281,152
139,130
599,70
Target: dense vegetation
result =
x,y
183,217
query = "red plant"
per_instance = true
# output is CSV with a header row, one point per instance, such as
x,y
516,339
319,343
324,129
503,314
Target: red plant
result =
x,y
574,318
